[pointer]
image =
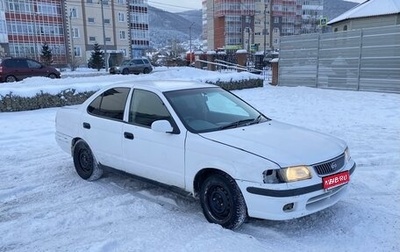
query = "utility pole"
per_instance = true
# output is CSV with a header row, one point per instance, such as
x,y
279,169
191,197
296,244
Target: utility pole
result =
x,y
190,43
35,35
104,35
265,29
72,39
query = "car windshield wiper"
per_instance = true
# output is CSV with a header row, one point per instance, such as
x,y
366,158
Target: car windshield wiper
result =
x,y
257,120
237,123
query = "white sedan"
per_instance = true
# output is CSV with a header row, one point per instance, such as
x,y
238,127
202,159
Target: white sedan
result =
x,y
201,139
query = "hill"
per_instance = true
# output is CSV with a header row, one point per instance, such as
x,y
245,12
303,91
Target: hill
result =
x,y
167,28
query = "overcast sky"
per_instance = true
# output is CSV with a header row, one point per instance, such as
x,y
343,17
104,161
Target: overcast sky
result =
x,y
184,5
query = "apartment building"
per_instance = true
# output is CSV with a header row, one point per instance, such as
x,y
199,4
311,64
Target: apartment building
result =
x,y
102,22
139,27
228,24
257,24
26,25
286,19
262,25
72,27
312,16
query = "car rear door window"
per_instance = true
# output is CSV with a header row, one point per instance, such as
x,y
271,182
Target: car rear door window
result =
x,y
110,104
15,63
138,62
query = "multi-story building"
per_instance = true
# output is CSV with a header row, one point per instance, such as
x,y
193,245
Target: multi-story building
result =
x,y
102,22
139,27
26,25
228,24
262,29
312,15
72,27
286,19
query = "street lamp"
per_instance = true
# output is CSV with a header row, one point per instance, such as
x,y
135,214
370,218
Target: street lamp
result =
x,y
190,43
72,39
104,35
35,35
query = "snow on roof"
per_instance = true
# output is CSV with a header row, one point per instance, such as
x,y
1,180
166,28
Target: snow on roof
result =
x,y
368,9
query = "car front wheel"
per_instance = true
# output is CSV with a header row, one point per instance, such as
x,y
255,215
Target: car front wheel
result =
x,y
85,164
222,201
11,78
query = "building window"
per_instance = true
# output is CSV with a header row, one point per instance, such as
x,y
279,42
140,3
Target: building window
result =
x,y
345,28
276,20
89,1
77,51
336,29
91,20
108,39
122,34
20,7
73,13
92,39
107,21
75,33
121,17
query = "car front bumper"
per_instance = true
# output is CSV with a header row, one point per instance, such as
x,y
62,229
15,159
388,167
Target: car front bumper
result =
x,y
283,203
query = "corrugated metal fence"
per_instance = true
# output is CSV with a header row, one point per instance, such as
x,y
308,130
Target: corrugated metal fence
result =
x,y
367,59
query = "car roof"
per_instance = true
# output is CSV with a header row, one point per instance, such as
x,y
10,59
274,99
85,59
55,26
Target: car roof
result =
x,y
163,85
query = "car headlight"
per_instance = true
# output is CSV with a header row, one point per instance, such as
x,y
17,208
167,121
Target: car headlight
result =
x,y
286,175
295,173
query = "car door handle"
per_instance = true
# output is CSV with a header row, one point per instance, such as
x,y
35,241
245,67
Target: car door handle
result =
x,y
86,125
128,135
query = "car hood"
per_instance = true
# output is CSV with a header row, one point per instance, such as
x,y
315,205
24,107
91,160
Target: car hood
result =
x,y
282,143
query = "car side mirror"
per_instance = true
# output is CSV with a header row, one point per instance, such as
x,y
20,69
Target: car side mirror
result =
x,y
162,126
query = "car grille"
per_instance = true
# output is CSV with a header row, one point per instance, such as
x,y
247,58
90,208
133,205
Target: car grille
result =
x,y
330,166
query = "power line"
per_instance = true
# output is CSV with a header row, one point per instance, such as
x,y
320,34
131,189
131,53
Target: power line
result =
x,y
171,5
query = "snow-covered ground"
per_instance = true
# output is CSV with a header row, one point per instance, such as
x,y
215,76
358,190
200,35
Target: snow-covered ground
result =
x,y
45,206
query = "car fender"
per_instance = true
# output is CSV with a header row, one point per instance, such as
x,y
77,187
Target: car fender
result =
x,y
202,153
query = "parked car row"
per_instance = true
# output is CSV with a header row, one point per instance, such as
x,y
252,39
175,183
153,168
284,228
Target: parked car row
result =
x,y
16,69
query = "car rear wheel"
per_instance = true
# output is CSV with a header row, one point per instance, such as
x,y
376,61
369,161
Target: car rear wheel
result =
x,y
222,201
11,78
85,163
125,71
146,71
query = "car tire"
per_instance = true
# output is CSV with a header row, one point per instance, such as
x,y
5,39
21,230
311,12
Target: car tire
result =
x,y
85,163
11,78
146,71
222,201
52,76
125,71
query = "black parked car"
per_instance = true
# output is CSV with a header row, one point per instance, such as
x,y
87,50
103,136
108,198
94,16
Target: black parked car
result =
x,y
15,69
135,66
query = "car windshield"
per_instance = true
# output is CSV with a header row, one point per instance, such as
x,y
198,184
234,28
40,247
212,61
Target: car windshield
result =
x,y
212,109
